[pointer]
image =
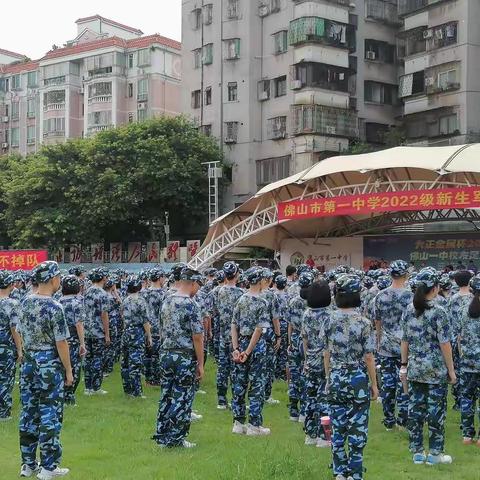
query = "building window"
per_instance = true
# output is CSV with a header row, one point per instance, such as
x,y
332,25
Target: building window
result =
x,y
381,93
206,130
100,89
385,11
31,108
16,83
280,40
207,54
197,58
277,128
264,90
15,137
196,18
448,124
54,126
320,30
31,134
100,65
275,6
142,90
447,80
130,90
231,132
412,84
319,75
143,59
280,86
232,49
271,170
32,79
232,9
196,98
15,110
130,60
100,118
208,96
208,14
232,90
375,132
379,51
142,115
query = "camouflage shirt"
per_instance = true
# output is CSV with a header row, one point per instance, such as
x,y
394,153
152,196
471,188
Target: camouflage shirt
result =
x,y
424,336
42,323
456,305
10,312
96,302
227,298
251,312
348,337
180,320
469,335
154,298
74,311
314,320
135,312
390,304
281,299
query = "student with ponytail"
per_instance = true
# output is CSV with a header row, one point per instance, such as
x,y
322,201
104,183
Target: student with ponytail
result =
x,y
469,350
427,365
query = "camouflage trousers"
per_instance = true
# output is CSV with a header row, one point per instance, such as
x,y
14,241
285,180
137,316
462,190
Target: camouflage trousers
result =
x,y
224,370
427,405
216,339
152,362
349,401
8,356
469,396
393,397
316,405
133,350
296,383
281,358
41,395
94,363
177,369
247,379
269,375
76,362
109,353
117,342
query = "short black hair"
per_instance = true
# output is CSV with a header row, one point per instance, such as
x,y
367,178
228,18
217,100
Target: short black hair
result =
x,y
304,292
133,288
70,290
348,300
291,270
319,295
462,278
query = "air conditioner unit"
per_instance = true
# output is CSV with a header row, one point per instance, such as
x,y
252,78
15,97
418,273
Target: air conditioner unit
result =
x,y
5,119
330,129
4,145
263,10
264,96
428,33
296,84
230,140
142,106
429,81
370,55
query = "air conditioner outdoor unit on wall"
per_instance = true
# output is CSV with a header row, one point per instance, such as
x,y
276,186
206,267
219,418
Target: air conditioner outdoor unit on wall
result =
x,y
263,10
4,145
428,33
371,55
5,119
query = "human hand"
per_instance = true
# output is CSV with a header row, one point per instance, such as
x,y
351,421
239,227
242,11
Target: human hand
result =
x,y
107,340
236,356
277,344
374,393
83,350
68,379
243,357
199,372
452,377
20,358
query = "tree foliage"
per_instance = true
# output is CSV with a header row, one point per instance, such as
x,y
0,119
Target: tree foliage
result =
x,y
111,187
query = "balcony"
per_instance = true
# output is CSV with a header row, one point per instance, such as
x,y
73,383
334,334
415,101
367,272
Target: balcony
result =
x,y
100,99
48,82
319,75
318,119
384,11
406,7
54,133
92,129
54,106
337,2
142,97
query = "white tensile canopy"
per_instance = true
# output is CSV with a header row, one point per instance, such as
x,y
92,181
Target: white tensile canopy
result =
x,y
255,223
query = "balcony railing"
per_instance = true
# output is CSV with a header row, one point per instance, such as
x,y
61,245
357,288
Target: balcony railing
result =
x,y
338,2
383,11
97,128
100,99
54,106
55,133
318,119
142,97
47,82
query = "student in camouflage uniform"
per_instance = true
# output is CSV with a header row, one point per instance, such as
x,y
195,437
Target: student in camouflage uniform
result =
x,y
10,343
114,320
281,299
456,305
443,297
226,298
72,303
46,370
349,343
154,297
250,319
136,331
427,364
390,304
296,384
469,347
97,331
314,320
211,305
181,361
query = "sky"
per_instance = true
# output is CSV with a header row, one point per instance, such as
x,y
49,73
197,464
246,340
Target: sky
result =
x,y
40,24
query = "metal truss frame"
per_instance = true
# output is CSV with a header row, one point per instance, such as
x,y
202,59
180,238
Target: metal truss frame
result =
x,y
225,237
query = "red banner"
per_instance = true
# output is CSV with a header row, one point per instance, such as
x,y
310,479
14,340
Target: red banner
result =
x,y
437,199
21,259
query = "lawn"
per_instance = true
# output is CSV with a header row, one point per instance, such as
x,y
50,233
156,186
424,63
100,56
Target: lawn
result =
x,y
109,438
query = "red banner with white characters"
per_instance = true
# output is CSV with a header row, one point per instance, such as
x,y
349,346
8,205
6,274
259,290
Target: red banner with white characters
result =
x,y
437,199
21,259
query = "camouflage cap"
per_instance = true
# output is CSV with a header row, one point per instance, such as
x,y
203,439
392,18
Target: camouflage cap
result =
x,y
45,271
6,279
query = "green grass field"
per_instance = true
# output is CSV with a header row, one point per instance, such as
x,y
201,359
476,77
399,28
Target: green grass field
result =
x,y
109,438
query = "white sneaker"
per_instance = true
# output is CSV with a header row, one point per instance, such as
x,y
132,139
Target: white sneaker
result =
x,y
310,440
194,417
6,419
239,428
26,471
88,392
322,443
272,401
221,407
301,419
48,475
293,419
253,431
98,392
186,444
439,459
201,392
340,477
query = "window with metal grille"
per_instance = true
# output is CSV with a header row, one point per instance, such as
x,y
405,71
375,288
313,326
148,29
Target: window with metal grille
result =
x,y
277,128
231,132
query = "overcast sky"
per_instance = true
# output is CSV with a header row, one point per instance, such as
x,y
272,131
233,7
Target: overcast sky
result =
x,y
33,26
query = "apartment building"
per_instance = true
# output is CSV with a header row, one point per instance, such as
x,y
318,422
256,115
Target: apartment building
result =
x,y
109,75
